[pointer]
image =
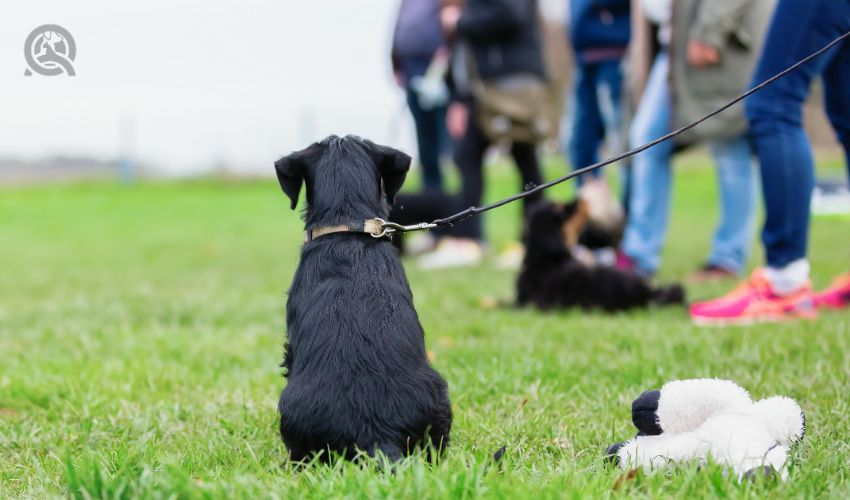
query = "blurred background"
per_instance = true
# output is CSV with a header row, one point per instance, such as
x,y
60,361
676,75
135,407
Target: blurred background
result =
x,y
200,87
196,86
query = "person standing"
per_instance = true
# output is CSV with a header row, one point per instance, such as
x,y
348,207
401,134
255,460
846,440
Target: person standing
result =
x,y
708,50
599,34
418,44
782,289
503,38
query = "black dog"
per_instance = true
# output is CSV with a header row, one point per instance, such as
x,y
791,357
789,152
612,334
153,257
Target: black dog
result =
x,y
358,375
551,276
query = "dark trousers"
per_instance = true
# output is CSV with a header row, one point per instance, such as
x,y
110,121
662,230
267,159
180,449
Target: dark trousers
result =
x,y
597,112
432,138
799,27
469,157
594,82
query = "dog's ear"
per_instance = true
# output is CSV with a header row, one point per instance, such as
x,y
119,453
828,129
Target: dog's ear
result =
x,y
291,171
393,165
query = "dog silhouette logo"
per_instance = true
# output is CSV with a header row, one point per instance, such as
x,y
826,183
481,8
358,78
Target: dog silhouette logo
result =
x,y
50,50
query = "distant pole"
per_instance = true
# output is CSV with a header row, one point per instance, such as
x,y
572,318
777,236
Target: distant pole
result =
x,y
126,163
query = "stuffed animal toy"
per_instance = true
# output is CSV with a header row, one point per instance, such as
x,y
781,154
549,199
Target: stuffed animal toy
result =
x,y
709,419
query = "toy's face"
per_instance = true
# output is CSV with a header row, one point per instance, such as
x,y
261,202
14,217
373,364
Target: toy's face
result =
x,y
782,417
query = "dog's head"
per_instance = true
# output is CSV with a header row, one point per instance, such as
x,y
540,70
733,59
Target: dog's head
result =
x,y
347,179
551,229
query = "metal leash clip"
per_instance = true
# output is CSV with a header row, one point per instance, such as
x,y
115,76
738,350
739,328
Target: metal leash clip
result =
x,y
390,228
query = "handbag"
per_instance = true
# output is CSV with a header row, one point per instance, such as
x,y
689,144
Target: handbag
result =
x,y
512,107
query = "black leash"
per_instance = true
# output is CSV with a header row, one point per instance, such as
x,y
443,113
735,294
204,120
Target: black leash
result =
x,y
391,227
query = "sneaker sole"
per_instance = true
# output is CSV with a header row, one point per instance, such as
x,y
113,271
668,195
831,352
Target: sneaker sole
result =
x,y
751,320
833,307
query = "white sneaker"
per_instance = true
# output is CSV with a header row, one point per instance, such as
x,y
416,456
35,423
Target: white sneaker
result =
x,y
511,257
453,252
419,243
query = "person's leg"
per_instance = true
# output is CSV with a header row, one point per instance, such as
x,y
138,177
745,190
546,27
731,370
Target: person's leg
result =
x,y
446,142
736,179
650,183
428,132
836,86
799,27
469,157
525,156
610,104
588,128
782,290
463,244
836,83
433,173
609,95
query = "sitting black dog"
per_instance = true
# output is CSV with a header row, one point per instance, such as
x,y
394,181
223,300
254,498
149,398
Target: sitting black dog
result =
x,y
358,375
552,277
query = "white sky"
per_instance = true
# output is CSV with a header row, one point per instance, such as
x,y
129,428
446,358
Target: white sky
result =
x,y
203,80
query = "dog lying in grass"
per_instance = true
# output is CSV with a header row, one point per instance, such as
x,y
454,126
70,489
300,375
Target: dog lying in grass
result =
x,y
359,380
552,276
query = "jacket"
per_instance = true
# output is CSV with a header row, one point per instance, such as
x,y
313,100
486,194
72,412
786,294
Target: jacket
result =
x,y
416,37
737,29
599,29
504,37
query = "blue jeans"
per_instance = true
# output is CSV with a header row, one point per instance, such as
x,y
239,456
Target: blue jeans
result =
x,y
596,110
799,27
651,179
432,139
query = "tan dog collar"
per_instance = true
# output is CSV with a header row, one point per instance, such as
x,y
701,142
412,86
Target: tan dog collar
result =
x,y
373,227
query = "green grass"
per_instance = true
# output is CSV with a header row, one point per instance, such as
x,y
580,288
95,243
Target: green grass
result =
x,y
141,330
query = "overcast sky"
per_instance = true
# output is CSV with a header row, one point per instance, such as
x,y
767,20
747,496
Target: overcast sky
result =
x,y
201,81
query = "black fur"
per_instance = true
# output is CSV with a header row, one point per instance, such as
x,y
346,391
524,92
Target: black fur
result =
x,y
358,374
552,278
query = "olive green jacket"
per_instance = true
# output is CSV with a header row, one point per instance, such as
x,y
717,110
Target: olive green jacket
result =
x,y
737,29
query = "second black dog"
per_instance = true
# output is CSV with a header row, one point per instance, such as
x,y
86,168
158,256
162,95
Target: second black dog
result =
x,y
551,276
358,375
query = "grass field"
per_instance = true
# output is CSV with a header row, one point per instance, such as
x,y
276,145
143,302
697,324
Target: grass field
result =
x,y
141,331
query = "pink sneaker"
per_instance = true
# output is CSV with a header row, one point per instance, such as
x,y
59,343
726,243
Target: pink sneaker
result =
x,y
836,295
755,301
742,290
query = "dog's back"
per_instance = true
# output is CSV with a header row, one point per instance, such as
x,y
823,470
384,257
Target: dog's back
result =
x,y
358,377
358,374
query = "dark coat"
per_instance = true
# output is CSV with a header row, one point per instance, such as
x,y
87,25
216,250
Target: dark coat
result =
x,y
416,37
504,37
737,29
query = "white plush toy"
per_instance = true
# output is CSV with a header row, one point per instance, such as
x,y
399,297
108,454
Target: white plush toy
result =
x,y
709,419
